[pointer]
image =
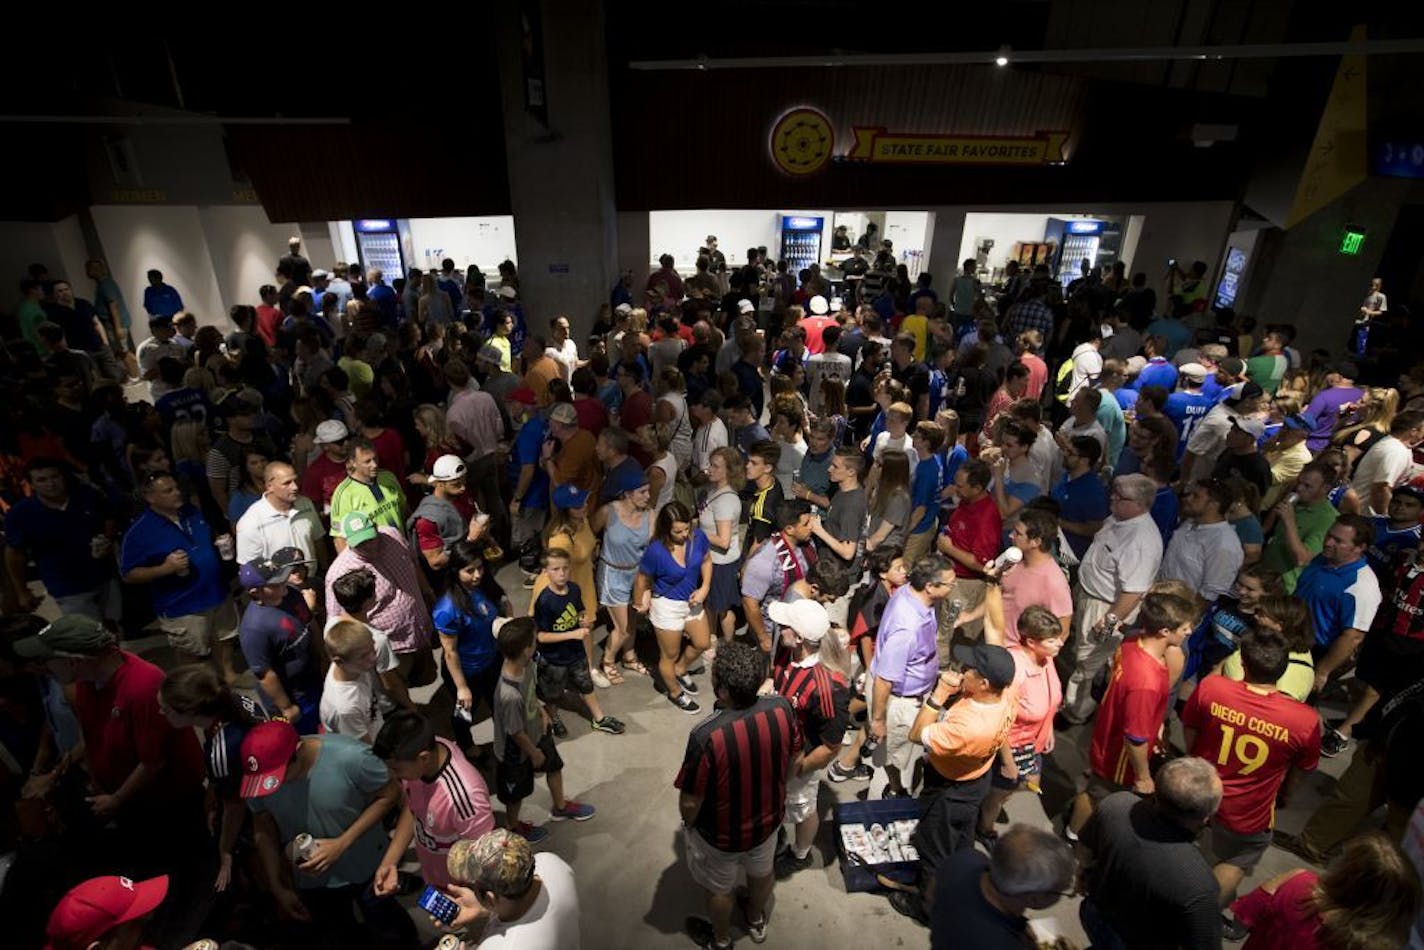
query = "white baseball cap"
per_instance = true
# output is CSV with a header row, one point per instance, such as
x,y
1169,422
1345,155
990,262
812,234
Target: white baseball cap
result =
x,y
508,293
819,306
837,304
332,430
745,306
447,468
808,618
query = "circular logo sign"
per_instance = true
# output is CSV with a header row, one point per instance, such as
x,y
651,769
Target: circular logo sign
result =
x,y
802,141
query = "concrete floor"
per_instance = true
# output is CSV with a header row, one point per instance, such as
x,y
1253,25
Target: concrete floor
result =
x,y
634,888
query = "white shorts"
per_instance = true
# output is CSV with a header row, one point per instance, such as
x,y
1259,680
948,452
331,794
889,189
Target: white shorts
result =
x,y
717,870
668,614
801,794
897,749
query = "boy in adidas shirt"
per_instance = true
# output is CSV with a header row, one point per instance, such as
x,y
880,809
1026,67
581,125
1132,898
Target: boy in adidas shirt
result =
x,y
564,633
444,796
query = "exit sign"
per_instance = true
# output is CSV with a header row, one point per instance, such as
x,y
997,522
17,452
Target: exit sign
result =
x,y
1351,240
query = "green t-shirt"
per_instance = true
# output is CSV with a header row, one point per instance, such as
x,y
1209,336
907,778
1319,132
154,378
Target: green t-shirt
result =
x,y
30,315
359,376
1313,523
1267,372
326,802
352,495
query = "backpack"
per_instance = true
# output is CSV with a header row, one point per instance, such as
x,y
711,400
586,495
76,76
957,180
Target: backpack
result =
x,y
1063,380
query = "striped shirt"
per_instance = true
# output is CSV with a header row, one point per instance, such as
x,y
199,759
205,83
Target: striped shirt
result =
x,y
453,805
736,762
821,701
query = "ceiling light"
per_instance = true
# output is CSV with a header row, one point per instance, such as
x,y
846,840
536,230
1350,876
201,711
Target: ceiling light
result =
x,y
1003,58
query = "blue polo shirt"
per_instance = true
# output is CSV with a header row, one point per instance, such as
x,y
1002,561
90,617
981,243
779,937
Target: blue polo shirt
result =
x,y
528,446
1084,498
152,537
929,476
161,301
1339,598
58,540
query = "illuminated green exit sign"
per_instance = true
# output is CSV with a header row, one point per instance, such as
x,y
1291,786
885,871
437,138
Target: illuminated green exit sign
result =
x,y
1351,240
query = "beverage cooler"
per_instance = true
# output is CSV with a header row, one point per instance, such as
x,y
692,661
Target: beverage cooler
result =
x,y
800,242
378,241
1098,241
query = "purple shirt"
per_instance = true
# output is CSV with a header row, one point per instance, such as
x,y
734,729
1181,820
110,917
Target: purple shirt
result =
x,y
1324,409
905,651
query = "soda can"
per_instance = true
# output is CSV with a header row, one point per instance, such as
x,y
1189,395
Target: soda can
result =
x,y
302,846
449,942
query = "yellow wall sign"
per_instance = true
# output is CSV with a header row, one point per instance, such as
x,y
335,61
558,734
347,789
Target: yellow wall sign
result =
x,y
913,148
802,141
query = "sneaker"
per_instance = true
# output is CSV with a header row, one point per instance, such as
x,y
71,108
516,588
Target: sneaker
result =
x,y
686,682
685,702
756,929
557,727
572,811
911,905
1332,743
1297,846
787,864
599,679
609,725
530,833
837,773
1233,929
700,930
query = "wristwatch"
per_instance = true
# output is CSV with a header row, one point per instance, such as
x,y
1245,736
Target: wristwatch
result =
x,y
930,702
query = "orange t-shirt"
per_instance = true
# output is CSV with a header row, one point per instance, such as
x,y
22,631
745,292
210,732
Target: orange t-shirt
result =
x,y
537,377
963,744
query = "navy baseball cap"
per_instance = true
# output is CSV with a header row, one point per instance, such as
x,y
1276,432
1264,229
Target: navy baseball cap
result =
x,y
994,663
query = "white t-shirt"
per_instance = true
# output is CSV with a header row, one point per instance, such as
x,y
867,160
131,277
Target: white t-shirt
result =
x,y
790,463
552,921
357,708
1388,461
1087,367
669,466
722,505
566,356
706,440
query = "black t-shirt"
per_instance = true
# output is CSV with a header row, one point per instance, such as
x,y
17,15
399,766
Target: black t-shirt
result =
x,y
961,917
1147,878
860,393
1252,468
760,506
916,378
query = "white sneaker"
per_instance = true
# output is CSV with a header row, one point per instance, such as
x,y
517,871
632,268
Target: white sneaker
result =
x,y
599,679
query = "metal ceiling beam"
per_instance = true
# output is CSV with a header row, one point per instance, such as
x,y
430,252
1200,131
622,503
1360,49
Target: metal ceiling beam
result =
x,y
988,57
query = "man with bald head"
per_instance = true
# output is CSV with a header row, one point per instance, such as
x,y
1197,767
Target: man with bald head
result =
x,y
281,518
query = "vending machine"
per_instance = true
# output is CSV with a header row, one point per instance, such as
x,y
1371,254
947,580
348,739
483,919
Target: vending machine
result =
x,y
378,241
1097,241
800,241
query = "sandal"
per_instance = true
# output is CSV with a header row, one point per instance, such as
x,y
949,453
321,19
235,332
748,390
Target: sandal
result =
x,y
614,677
633,665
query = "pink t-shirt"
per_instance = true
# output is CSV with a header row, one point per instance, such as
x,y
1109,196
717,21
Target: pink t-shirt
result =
x,y
1026,586
1040,695
453,805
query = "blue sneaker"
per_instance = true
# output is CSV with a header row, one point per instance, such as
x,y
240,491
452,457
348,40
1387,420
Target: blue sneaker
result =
x,y
530,833
572,810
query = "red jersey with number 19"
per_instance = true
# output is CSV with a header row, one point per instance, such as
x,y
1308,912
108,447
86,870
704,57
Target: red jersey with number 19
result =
x,y
1253,738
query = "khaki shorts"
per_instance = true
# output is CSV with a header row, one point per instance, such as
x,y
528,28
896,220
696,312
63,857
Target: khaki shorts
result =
x,y
195,634
897,750
801,794
717,870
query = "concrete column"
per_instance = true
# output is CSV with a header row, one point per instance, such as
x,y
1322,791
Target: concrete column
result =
x,y
561,177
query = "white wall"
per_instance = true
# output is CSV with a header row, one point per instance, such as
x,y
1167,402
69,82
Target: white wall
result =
x,y
681,233
171,239
245,248
1005,228
910,231
485,241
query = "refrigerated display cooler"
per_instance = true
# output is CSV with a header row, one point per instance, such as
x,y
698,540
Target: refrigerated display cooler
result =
x,y
1097,241
800,241
378,241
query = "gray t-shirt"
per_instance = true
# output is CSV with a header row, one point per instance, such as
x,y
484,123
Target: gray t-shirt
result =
x,y
326,802
897,512
724,505
845,520
516,710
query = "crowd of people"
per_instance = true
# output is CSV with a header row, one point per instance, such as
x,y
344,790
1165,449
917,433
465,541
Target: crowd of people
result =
x,y
865,534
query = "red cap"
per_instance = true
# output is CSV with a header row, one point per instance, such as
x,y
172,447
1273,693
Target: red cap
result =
x,y
266,750
523,395
97,906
